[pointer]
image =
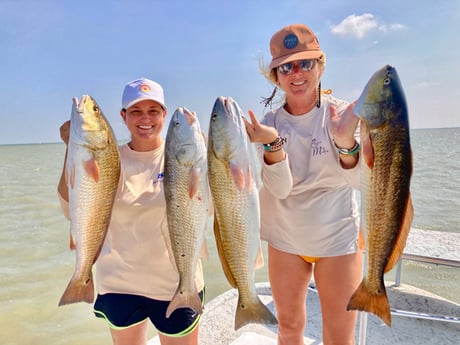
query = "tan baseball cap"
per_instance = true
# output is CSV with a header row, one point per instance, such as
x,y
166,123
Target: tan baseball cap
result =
x,y
294,42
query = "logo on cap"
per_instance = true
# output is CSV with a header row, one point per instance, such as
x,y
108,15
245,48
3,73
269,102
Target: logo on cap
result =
x,y
144,88
291,41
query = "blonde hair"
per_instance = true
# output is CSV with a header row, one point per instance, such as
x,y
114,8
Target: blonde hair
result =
x,y
272,77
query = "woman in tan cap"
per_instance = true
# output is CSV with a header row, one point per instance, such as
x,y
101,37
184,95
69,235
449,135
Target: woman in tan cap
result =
x,y
309,215
135,274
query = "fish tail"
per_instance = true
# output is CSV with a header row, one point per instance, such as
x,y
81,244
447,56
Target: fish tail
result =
x,y
377,304
78,291
253,312
184,299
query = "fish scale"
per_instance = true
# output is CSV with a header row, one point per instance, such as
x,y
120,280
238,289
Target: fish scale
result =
x,y
227,201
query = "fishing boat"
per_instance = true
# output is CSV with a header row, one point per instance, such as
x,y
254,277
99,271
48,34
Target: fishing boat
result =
x,y
418,316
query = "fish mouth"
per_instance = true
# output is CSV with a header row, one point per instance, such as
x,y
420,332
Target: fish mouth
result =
x,y
190,116
80,104
227,103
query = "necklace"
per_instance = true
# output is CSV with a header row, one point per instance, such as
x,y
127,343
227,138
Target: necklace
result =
x,y
300,110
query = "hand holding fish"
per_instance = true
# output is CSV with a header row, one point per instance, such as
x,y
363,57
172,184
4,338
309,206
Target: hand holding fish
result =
x,y
64,131
343,127
259,133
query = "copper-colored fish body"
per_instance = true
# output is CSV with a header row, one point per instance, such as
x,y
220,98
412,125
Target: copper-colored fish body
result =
x,y
386,169
92,174
232,179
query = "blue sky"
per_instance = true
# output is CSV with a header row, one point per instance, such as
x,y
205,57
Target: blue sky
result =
x,y
51,51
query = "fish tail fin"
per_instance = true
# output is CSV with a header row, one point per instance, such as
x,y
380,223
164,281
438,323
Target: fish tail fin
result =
x,y
253,312
377,304
184,299
78,291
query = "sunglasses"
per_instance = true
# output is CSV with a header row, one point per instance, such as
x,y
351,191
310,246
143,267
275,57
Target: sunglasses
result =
x,y
305,65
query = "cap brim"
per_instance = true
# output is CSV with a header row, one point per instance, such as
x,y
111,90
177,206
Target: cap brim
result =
x,y
137,100
311,54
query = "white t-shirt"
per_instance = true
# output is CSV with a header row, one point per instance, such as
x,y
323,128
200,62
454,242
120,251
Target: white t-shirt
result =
x,y
308,204
136,257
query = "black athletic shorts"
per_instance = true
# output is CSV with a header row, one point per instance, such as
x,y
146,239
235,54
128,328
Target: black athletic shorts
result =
x,y
125,310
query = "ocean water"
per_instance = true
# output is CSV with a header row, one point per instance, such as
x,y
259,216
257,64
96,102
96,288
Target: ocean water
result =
x,y
36,264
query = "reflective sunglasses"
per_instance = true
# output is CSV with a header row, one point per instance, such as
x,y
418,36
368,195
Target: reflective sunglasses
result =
x,y
305,65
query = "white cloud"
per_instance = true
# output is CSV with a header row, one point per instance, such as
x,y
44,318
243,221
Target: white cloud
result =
x,y
427,84
392,27
358,26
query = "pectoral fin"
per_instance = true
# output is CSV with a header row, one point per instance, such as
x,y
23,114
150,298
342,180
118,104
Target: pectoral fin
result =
x,y
72,244
367,150
194,180
92,168
259,259
238,176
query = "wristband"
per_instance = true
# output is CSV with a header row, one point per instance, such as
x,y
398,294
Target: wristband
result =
x,y
348,152
276,145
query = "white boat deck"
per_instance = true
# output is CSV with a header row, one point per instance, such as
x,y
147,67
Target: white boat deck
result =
x,y
217,321
412,309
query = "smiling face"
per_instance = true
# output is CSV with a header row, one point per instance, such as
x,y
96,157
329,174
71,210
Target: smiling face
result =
x,y
300,85
145,121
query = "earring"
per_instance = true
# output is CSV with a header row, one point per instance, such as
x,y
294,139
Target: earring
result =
x,y
318,100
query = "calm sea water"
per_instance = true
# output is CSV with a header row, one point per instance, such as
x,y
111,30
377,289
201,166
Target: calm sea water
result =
x,y
35,263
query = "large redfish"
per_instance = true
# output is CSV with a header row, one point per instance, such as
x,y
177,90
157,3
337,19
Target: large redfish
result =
x,y
386,169
187,202
232,178
92,173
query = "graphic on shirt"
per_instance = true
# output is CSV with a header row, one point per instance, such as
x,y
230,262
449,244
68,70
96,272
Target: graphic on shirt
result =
x,y
317,149
160,177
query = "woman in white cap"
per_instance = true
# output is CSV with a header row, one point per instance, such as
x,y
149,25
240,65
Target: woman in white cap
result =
x,y
135,275
309,214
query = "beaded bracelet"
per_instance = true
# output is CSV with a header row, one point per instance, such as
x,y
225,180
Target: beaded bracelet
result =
x,y
276,145
348,152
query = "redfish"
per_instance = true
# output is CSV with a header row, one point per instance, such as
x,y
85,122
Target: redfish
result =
x,y
92,173
386,169
232,178
187,202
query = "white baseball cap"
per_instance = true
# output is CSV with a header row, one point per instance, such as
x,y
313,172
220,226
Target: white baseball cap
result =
x,y
140,90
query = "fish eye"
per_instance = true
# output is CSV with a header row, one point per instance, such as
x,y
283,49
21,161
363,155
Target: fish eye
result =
x,y
95,108
386,81
176,123
214,115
